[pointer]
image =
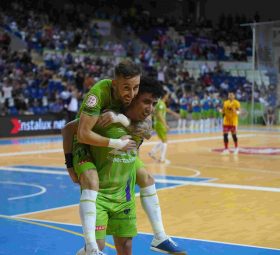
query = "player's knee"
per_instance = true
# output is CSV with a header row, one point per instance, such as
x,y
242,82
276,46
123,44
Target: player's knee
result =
x,y
89,180
144,178
234,137
101,244
226,137
127,247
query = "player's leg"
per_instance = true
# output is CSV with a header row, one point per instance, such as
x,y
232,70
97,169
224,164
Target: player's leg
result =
x,y
235,139
157,146
101,226
123,245
150,203
225,138
163,137
88,178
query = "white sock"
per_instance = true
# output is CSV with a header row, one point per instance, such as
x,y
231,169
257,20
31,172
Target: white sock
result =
x,y
184,123
179,123
150,204
88,216
156,148
163,151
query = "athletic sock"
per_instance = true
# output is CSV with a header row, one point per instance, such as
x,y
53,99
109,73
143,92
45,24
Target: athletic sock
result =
x,y
88,216
150,204
163,151
156,148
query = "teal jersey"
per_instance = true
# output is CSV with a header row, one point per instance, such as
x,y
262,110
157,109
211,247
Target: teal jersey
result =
x,y
115,167
160,109
99,98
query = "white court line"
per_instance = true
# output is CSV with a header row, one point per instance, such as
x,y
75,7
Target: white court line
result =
x,y
30,152
151,234
43,189
36,171
215,185
197,172
187,140
195,139
211,241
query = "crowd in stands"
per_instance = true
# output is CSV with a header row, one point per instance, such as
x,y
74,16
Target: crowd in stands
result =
x,y
75,54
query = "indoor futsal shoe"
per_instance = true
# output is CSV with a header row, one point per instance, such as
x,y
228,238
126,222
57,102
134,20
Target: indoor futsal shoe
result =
x,y
82,251
152,156
168,246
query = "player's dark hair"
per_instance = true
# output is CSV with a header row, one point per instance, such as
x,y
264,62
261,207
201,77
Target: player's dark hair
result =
x,y
150,85
127,69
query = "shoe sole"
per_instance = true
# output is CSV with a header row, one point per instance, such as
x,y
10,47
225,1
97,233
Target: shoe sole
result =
x,y
166,252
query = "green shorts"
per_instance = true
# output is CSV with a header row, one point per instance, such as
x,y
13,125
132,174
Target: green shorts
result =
x,y
183,114
82,160
161,131
196,115
114,218
205,114
217,114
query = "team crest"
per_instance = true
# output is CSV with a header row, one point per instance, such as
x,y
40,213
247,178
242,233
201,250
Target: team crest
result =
x,y
91,101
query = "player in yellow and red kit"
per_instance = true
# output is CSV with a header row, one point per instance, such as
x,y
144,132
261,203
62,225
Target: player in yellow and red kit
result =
x,y
231,110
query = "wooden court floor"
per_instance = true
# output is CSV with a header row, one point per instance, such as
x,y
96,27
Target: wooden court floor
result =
x,y
240,203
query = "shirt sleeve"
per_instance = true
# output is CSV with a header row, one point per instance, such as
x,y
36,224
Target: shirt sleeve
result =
x,y
94,101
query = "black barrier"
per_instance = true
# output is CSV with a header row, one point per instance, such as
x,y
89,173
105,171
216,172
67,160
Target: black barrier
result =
x,y
25,125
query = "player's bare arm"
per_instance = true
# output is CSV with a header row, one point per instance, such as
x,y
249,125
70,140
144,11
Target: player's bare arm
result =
x,y
68,133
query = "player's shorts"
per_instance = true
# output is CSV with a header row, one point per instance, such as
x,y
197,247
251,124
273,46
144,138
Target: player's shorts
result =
x,y
196,115
161,131
183,114
82,160
229,128
205,114
217,114
114,217
211,113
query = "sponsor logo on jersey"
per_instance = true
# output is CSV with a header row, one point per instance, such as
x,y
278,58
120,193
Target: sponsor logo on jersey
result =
x,y
91,101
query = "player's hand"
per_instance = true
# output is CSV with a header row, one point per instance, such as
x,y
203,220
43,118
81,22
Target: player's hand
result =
x,y
131,145
107,118
73,175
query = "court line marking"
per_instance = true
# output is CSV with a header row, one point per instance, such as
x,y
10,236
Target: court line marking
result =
x,y
37,222
240,168
211,241
42,188
49,226
187,140
197,172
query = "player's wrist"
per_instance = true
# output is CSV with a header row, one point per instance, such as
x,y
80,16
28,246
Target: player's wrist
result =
x,y
118,143
68,160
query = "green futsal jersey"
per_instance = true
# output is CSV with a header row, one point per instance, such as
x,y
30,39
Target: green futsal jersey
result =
x,y
99,98
159,126
116,168
160,109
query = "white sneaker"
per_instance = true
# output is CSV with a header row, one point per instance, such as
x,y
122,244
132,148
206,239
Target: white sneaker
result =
x,y
225,152
152,156
82,251
164,161
236,151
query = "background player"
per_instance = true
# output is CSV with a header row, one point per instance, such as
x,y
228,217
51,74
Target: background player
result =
x,y
231,110
161,127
